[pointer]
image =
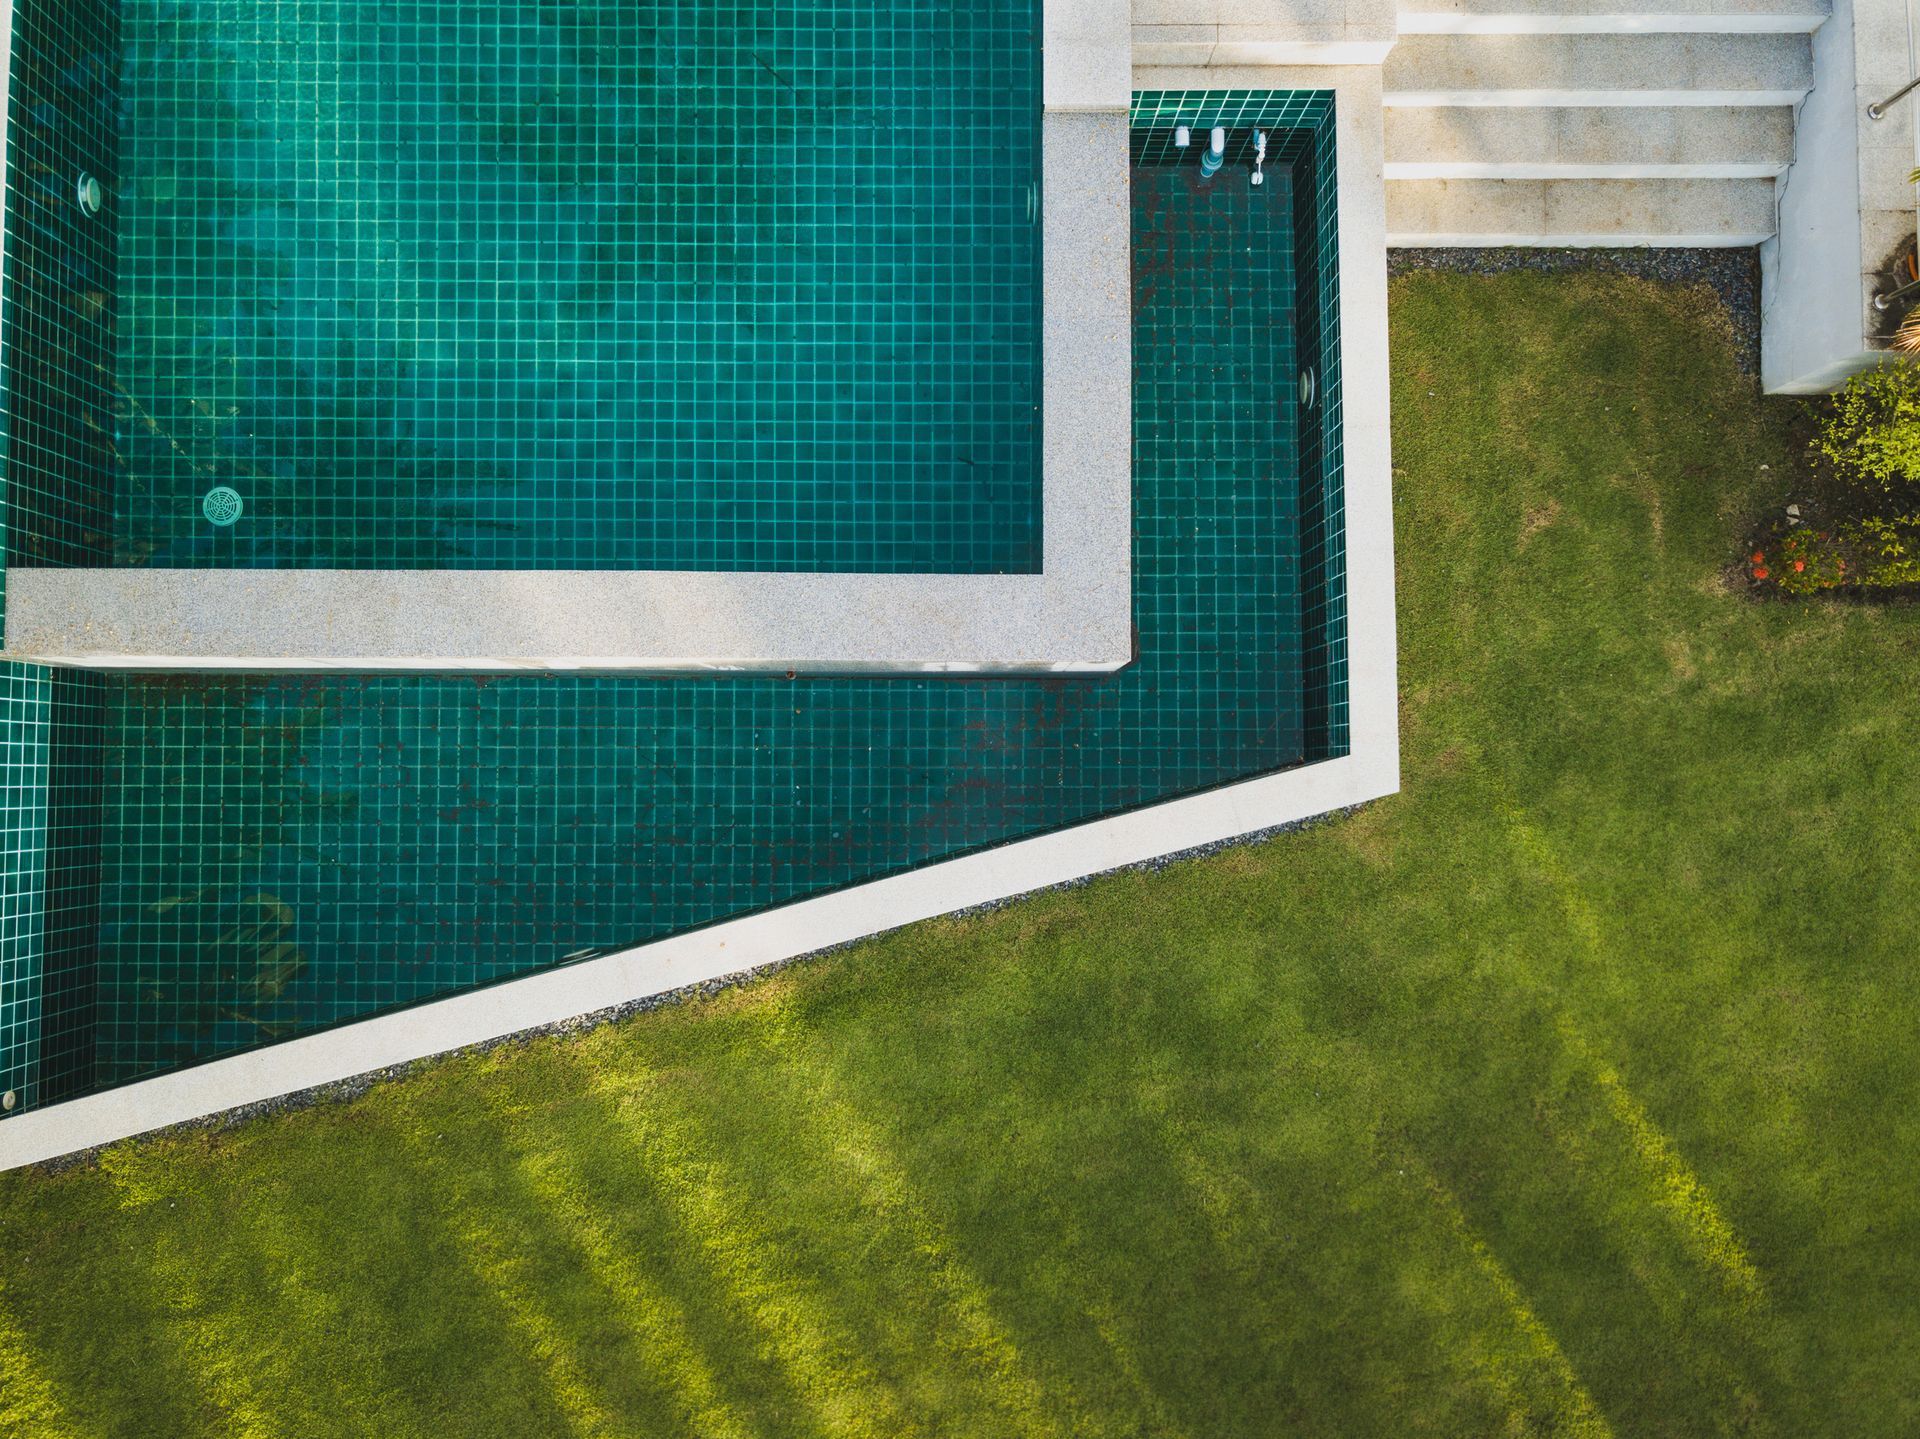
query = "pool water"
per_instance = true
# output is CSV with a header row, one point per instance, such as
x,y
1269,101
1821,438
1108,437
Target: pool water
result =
x,y
628,285
281,853
232,860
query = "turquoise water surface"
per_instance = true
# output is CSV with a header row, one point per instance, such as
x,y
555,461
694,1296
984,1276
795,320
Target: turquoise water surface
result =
x,y
204,863
629,285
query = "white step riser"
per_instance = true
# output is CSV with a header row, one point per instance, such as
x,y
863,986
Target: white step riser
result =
x,y
1729,170
1417,24
1679,143
1612,17
1573,240
1581,213
1595,99
1221,47
1598,70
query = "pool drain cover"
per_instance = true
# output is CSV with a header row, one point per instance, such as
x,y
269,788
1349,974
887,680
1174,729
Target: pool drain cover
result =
x,y
222,505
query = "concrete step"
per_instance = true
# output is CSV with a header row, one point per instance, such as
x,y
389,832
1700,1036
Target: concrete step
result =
x,y
1539,70
1263,32
1579,212
1221,46
1600,17
1676,142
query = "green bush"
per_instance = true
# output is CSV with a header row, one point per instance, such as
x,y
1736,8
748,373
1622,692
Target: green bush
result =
x,y
1803,561
1890,549
1868,437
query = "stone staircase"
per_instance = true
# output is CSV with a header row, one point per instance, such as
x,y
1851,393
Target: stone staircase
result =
x,y
1614,123
1592,122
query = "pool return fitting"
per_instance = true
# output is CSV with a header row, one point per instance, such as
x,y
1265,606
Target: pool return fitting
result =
x,y
1214,155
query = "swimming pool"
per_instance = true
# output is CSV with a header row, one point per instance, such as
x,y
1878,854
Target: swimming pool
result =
x,y
225,861
511,286
631,338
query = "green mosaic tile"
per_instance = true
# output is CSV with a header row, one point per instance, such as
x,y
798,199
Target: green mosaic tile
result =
x,y
1300,128
209,863
23,820
633,285
56,338
50,823
70,928
285,853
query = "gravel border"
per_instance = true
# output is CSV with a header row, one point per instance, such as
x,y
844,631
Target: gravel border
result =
x,y
1733,275
341,1091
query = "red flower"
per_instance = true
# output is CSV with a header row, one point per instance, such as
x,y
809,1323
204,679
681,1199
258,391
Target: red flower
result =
x,y
1760,572
1758,557
1799,565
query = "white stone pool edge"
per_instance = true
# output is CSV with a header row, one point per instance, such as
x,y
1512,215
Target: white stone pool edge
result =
x,y
1370,771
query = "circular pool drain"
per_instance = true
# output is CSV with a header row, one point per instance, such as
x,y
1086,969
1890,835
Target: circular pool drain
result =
x,y
90,195
222,505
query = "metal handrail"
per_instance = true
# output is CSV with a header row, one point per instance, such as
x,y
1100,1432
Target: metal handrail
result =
x,y
1884,300
1879,110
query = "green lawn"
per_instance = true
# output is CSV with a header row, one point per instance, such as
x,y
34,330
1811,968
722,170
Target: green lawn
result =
x,y
1574,1090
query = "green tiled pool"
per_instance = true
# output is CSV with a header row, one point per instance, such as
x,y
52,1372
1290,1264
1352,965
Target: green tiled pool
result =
x,y
271,855
512,285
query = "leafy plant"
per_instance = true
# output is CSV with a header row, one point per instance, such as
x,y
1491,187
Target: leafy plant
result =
x,y
1893,550
1867,439
1871,433
1907,337
1804,562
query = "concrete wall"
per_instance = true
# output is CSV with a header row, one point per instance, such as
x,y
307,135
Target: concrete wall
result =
x,y
1846,210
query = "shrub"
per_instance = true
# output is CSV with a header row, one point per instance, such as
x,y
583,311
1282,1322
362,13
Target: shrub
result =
x,y
1870,434
1890,548
1804,561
